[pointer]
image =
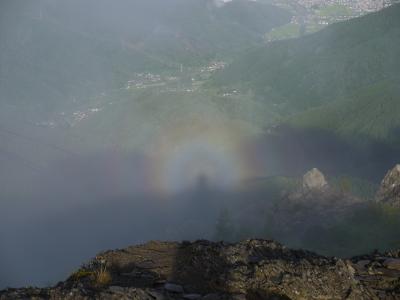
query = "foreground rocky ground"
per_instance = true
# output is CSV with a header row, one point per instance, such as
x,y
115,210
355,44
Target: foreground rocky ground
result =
x,y
253,269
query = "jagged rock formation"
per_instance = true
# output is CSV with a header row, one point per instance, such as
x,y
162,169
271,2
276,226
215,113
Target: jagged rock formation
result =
x,y
314,180
315,202
253,269
316,191
389,192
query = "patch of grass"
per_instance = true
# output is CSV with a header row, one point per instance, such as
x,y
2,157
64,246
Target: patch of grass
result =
x,y
336,10
102,277
78,275
98,277
286,31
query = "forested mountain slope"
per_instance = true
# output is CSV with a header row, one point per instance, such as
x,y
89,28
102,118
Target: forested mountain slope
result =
x,y
335,63
371,113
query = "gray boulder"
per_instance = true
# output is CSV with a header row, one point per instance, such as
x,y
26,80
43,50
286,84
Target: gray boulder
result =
x,y
389,191
314,180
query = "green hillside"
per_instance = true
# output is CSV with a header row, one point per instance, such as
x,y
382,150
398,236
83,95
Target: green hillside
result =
x,y
139,117
371,113
335,63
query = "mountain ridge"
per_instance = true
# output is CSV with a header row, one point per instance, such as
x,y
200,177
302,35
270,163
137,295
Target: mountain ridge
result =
x,y
252,269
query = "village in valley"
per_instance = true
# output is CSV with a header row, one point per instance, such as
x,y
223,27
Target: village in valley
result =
x,y
184,80
308,16
312,15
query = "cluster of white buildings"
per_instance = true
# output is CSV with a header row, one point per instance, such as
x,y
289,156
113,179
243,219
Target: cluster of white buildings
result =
x,y
214,66
316,12
79,116
361,6
308,11
142,80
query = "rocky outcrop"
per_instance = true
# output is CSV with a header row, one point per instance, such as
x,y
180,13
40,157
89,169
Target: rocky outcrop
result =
x,y
380,272
314,203
314,180
389,192
253,269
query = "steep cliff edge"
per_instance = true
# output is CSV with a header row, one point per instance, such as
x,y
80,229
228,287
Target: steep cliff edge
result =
x,y
252,269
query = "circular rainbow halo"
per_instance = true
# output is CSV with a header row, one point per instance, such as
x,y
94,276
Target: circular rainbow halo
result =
x,y
189,154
